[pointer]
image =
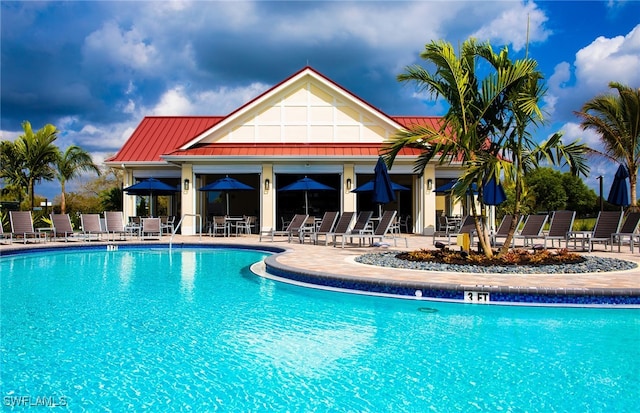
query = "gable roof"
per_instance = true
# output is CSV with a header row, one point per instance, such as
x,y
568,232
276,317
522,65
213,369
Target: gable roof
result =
x,y
159,138
305,74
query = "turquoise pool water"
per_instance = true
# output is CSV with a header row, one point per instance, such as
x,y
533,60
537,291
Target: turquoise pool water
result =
x,y
194,328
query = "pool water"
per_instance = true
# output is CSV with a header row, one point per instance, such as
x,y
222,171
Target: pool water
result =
x,y
195,329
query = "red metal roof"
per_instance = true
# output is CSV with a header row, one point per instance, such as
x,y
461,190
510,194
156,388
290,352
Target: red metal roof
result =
x,y
288,149
157,135
164,135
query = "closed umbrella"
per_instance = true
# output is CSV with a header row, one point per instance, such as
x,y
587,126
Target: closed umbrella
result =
x,y
306,184
382,187
619,193
150,187
226,185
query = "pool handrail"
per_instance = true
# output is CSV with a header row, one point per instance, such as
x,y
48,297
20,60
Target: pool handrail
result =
x,y
175,229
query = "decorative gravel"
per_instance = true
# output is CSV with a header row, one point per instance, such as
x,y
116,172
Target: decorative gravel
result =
x,y
592,264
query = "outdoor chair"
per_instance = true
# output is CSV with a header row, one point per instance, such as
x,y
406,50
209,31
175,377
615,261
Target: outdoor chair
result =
x,y
324,227
246,225
22,226
114,222
341,228
503,229
381,231
607,223
395,226
361,226
292,229
445,227
627,231
167,224
219,225
532,229
61,227
467,226
91,226
405,224
151,228
4,235
560,227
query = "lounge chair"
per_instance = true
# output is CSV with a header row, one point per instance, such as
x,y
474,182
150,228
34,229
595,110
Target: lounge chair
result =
x,y
325,227
114,221
503,229
607,223
627,231
292,229
381,231
61,227
22,226
341,228
532,229
151,228
361,226
4,235
560,227
91,226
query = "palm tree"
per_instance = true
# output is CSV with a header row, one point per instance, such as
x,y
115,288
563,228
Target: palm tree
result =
x,y
617,120
36,154
69,165
485,127
12,172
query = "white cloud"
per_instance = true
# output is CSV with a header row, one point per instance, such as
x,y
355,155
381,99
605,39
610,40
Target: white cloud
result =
x,y
181,101
119,47
511,25
603,61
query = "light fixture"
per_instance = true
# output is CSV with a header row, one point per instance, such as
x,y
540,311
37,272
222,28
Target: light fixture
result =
x,y
267,184
429,184
186,185
349,184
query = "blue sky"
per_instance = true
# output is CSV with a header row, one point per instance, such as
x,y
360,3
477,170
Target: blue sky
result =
x,y
95,69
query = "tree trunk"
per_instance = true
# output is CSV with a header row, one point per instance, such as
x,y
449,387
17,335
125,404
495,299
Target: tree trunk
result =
x,y
633,186
63,200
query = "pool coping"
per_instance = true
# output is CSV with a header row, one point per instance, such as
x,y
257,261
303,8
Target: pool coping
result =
x,y
455,292
614,297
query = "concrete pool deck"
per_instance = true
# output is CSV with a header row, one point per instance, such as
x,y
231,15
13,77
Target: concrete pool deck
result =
x,y
339,263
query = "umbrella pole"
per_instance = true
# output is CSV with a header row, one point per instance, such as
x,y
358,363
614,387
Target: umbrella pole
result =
x,y
227,194
306,203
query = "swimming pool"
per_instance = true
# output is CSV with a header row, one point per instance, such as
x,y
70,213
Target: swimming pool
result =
x,y
148,328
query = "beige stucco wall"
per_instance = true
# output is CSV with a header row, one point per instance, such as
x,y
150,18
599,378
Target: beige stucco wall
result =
x,y
189,223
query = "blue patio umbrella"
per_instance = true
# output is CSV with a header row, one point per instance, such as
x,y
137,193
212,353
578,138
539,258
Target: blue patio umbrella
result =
x,y
306,184
493,193
448,187
150,187
226,185
368,187
619,193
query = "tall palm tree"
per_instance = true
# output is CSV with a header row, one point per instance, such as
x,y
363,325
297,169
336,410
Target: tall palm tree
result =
x,y
37,153
617,120
485,127
69,165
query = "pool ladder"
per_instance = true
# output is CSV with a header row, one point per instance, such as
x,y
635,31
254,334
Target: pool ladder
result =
x,y
175,229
